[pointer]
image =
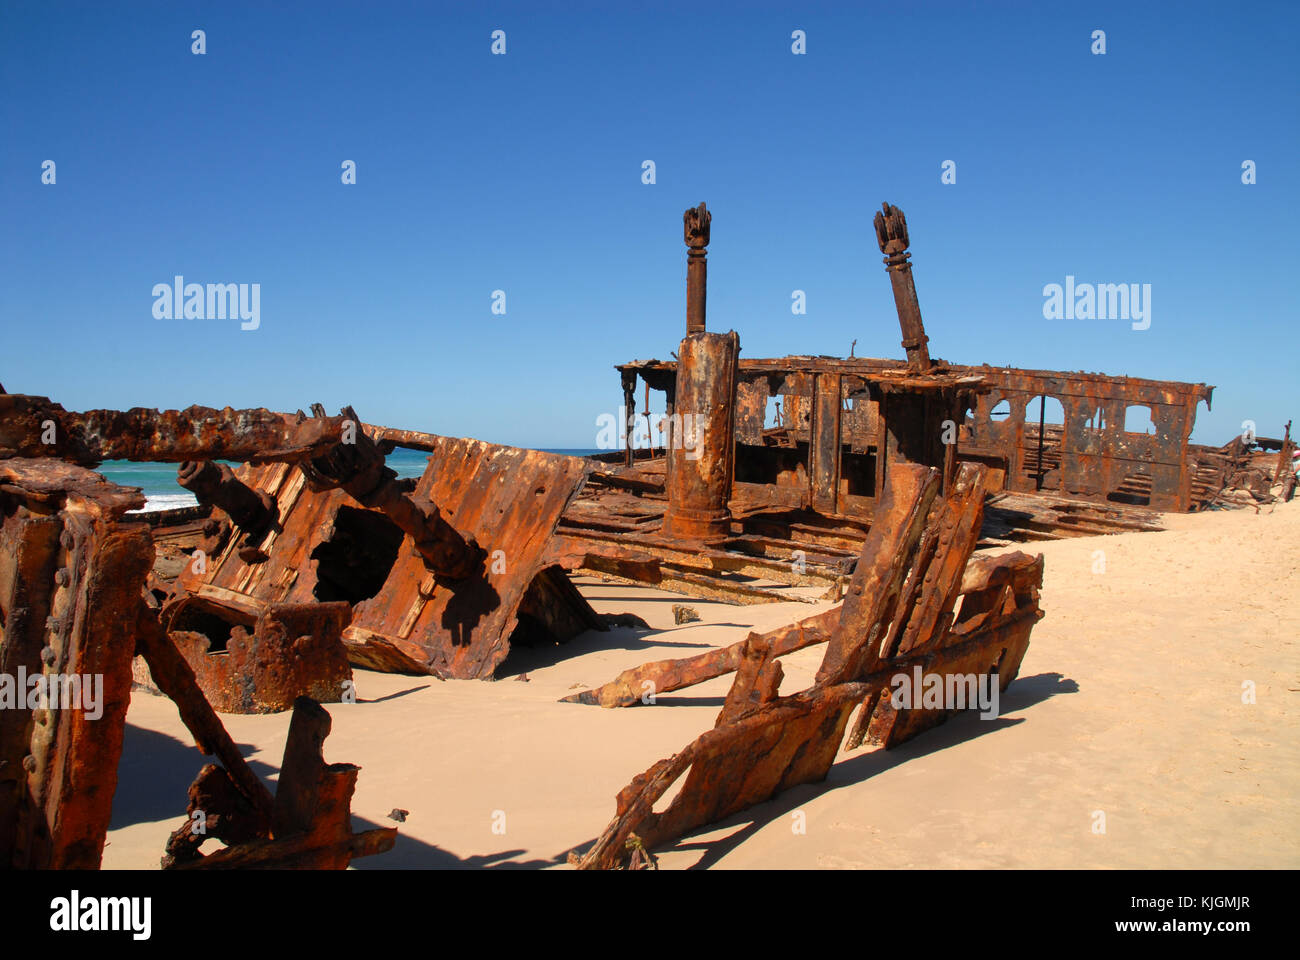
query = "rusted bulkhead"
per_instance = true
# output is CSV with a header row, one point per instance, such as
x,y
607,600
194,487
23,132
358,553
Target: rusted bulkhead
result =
x,y
263,666
326,545
1091,455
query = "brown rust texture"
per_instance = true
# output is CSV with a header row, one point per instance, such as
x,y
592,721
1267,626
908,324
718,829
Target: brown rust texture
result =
x,y
70,579
701,452
35,427
292,650
891,235
310,823
897,617
325,545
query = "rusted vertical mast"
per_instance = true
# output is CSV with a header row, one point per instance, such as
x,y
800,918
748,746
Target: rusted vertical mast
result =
x,y
891,234
1284,455
696,225
701,447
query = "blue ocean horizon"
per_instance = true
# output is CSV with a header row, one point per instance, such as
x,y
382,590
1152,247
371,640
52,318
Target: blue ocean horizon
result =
x,y
157,481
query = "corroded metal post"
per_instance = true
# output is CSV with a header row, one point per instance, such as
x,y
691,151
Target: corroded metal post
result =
x,y
629,413
891,234
1283,455
695,222
702,452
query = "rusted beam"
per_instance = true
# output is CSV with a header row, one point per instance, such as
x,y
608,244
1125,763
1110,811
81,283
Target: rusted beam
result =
x,y
872,598
359,469
215,485
33,426
175,678
1284,455
663,676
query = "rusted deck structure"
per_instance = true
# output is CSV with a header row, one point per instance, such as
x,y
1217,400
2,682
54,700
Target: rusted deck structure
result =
x,y
803,455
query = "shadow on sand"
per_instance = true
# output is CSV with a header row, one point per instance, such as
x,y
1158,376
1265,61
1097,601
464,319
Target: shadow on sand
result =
x,y
1022,693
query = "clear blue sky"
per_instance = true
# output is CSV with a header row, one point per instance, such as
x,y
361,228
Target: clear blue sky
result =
x,y
523,173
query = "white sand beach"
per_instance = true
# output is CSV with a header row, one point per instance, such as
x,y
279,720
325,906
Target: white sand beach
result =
x,y
1129,702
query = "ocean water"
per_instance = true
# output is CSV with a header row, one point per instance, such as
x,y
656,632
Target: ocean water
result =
x,y
162,492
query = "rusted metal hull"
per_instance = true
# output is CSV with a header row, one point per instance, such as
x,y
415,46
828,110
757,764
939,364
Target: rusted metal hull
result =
x,y
72,604
35,427
75,608
292,650
897,616
327,546
70,580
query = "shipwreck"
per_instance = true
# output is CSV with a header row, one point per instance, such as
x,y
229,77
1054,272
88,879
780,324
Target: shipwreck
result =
x,y
876,485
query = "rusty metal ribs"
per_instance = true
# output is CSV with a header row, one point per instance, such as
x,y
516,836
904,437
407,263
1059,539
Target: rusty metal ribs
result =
x,y
898,617
348,530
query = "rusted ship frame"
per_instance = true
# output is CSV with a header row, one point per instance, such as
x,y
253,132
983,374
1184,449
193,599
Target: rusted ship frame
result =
x,y
415,607
808,486
899,617
314,554
73,574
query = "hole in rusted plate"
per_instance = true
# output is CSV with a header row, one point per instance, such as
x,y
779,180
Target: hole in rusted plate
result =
x,y
353,564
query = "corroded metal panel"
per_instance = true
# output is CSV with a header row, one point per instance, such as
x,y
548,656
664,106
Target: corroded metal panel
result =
x,y
326,546
510,500
70,585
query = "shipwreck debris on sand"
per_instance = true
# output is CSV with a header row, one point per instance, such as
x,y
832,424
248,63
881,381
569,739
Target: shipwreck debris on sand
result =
x,y
440,574
875,484
310,821
748,507
899,617
73,614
